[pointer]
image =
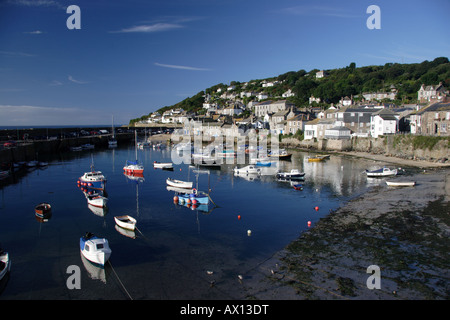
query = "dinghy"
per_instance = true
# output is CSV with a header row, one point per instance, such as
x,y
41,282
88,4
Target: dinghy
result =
x,y
383,172
96,200
179,183
95,249
126,222
43,209
163,165
293,174
401,183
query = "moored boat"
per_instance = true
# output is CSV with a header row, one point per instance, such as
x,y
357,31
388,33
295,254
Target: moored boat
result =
x,y
126,222
298,186
95,249
196,197
250,169
383,172
133,167
163,165
93,179
179,183
281,154
96,200
43,209
293,174
401,183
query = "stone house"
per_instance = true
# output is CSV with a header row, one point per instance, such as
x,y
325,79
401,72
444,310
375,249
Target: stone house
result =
x,y
433,119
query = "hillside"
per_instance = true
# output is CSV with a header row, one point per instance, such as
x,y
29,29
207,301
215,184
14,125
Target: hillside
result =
x,y
347,81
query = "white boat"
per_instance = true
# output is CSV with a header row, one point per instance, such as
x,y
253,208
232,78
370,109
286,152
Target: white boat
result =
x,y
133,167
5,263
293,174
247,170
162,165
126,222
96,200
77,148
112,141
93,179
180,190
401,183
179,183
95,249
383,172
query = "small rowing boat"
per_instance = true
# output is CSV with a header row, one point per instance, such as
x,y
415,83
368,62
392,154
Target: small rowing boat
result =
x,y
401,183
43,209
383,172
163,165
179,183
126,222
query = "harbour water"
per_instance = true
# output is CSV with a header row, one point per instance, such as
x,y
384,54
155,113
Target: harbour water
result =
x,y
175,247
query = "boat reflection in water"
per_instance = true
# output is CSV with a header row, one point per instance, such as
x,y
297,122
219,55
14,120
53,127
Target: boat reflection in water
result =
x,y
94,272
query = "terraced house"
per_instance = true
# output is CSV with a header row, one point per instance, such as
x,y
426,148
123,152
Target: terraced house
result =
x,y
433,119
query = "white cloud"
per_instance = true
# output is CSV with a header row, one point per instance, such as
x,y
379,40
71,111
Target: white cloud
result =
x,y
70,78
37,3
158,27
34,32
180,67
314,10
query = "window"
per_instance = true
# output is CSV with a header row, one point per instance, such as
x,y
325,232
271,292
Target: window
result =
x,y
86,247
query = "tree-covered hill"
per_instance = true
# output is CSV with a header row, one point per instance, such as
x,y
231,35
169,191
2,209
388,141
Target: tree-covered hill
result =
x,y
347,81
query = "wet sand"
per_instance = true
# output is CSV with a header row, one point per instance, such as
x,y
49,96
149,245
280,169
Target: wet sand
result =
x,y
402,230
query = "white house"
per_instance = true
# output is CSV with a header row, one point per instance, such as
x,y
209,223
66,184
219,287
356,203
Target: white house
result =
x,y
321,74
262,96
383,122
269,107
288,94
314,99
431,93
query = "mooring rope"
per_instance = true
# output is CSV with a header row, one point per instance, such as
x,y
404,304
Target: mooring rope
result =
x,y
125,289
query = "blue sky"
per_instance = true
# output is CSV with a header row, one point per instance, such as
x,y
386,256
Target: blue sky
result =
x,y
133,57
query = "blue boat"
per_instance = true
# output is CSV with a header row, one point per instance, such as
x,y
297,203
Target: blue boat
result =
x,y
93,180
197,197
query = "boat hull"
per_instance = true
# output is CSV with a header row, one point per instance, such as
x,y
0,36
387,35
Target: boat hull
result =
x,y
96,250
126,222
401,183
381,172
179,183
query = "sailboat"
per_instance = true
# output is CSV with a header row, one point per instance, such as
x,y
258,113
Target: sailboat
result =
x,y
133,167
112,142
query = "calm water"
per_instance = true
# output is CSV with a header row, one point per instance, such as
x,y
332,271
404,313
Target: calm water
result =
x,y
175,245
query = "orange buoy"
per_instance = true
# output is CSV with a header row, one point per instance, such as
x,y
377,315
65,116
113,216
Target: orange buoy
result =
x,y
175,199
239,217
316,208
188,201
194,201
309,223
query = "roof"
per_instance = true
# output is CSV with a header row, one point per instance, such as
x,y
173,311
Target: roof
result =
x,y
386,114
435,107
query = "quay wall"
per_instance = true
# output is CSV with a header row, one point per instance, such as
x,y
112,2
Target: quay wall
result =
x,y
32,150
402,146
